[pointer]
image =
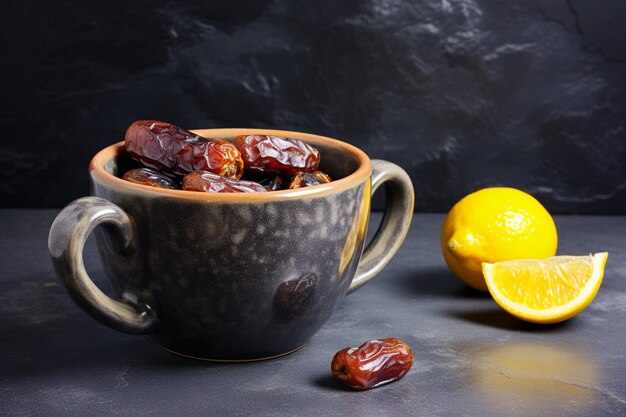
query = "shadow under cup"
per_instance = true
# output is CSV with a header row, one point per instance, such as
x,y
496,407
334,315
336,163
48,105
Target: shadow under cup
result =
x,y
224,276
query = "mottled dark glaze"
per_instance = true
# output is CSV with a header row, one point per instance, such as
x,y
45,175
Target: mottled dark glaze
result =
x,y
230,278
227,264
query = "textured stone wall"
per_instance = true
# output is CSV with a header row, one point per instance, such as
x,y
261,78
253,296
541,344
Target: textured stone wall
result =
x,y
462,93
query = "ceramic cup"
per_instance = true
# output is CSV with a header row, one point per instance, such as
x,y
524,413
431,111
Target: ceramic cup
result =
x,y
231,277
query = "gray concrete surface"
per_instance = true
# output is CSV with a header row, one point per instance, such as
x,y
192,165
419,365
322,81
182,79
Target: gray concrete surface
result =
x,y
471,358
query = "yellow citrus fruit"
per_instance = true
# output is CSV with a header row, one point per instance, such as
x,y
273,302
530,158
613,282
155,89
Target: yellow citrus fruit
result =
x,y
493,225
546,291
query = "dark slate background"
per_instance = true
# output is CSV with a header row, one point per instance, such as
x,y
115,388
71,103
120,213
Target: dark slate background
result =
x,y
462,93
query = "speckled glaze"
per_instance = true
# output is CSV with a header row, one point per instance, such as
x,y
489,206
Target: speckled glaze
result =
x,y
230,276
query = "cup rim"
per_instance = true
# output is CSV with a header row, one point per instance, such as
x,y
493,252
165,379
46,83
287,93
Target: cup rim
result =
x,y
362,173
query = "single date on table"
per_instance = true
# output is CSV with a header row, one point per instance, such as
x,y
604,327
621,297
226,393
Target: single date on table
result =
x,y
374,363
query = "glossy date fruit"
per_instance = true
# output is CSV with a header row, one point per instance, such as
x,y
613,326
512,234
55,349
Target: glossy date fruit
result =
x,y
306,179
374,363
211,183
276,155
150,177
173,150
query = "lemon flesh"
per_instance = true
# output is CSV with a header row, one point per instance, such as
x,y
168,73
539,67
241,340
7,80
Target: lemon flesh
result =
x,y
546,291
492,225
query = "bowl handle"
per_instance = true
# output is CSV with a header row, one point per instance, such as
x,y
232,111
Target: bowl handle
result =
x,y
66,242
395,224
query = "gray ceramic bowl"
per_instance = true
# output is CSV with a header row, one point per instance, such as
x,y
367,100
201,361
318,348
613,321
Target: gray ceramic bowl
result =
x,y
230,276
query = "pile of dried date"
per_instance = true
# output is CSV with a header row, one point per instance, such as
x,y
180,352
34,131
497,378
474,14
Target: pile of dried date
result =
x,y
176,158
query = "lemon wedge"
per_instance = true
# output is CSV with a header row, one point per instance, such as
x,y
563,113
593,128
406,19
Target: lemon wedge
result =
x,y
545,291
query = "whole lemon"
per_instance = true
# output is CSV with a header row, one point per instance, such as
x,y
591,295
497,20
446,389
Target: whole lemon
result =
x,y
493,225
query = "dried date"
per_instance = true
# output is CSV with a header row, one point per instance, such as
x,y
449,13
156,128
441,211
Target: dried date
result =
x,y
212,183
306,179
374,363
276,155
150,177
173,150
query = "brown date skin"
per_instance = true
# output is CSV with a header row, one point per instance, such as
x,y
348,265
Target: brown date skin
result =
x,y
306,179
150,177
211,183
374,363
276,155
173,150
